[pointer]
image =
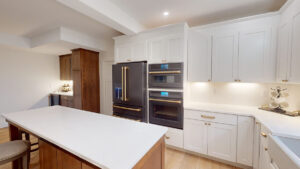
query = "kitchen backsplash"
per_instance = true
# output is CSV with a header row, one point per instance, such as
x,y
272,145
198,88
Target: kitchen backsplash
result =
x,y
248,94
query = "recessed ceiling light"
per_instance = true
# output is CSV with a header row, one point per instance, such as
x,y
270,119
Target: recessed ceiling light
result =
x,y
166,13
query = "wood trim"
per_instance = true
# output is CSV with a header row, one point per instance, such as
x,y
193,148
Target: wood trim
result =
x,y
15,134
149,161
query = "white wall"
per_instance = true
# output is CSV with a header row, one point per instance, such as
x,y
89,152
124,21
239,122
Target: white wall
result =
x,y
248,94
106,62
26,79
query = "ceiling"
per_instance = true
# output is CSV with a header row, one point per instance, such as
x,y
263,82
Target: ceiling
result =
x,y
30,18
195,12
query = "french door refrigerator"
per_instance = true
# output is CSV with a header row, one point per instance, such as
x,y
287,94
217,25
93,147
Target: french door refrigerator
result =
x,y
129,90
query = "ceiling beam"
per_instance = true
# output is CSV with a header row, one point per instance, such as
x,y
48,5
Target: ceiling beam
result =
x,y
105,12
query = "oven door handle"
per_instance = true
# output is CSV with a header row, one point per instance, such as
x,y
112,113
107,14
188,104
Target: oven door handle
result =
x,y
168,101
127,108
165,72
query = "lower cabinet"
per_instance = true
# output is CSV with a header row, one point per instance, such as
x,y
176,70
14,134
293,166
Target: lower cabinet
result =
x,y
51,157
223,136
174,137
195,136
213,139
222,141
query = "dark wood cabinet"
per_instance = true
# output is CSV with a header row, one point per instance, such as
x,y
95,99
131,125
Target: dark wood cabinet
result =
x,y
86,83
66,101
48,158
65,67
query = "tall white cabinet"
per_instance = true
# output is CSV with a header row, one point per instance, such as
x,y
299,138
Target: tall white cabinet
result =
x,y
288,50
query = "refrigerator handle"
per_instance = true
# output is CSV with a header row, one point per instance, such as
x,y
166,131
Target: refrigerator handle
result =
x,y
122,83
125,83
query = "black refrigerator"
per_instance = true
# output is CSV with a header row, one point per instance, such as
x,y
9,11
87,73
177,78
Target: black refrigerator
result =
x,y
129,90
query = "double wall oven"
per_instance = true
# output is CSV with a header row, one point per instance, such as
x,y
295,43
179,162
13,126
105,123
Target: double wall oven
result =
x,y
166,95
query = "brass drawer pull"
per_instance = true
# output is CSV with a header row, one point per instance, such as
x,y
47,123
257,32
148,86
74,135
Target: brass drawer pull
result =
x,y
167,137
266,149
208,117
168,101
284,81
165,72
237,80
263,134
126,108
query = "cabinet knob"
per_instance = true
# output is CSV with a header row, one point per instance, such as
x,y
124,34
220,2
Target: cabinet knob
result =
x,y
284,81
209,80
266,149
128,60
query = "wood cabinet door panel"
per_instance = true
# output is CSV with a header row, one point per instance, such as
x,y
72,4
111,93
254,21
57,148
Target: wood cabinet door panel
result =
x,y
47,155
67,161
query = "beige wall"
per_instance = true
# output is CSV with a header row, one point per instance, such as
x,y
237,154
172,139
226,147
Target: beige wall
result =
x,y
26,79
248,94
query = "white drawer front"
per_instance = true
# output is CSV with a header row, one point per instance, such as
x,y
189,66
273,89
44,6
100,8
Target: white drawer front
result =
x,y
174,137
211,117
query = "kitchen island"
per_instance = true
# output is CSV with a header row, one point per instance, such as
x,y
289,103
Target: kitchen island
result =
x,y
71,138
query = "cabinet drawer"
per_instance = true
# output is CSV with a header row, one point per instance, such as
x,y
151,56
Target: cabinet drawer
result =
x,y
174,137
211,117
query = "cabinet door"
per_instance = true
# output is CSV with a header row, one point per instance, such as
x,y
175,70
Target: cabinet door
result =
x,y
65,67
47,156
175,46
264,159
123,53
157,50
254,55
256,145
222,141
224,57
245,140
199,57
195,136
283,51
294,74
139,51
67,161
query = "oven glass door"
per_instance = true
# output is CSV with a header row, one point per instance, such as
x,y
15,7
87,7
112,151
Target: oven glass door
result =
x,y
166,113
165,80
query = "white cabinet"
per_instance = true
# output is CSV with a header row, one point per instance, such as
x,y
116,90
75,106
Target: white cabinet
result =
x,y
136,51
283,52
123,53
224,56
195,136
199,56
222,141
264,159
245,140
256,145
174,137
166,49
254,55
294,74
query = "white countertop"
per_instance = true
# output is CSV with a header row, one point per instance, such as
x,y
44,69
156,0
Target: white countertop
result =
x,y
63,93
278,124
105,141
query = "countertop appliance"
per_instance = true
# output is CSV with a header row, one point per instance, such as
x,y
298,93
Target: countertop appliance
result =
x,y
166,108
166,76
129,90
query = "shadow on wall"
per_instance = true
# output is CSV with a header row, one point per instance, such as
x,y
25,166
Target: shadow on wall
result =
x,y
44,102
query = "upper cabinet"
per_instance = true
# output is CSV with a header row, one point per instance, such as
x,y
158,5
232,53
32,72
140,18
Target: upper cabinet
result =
x,y
129,52
65,67
224,56
288,50
199,56
240,51
161,45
